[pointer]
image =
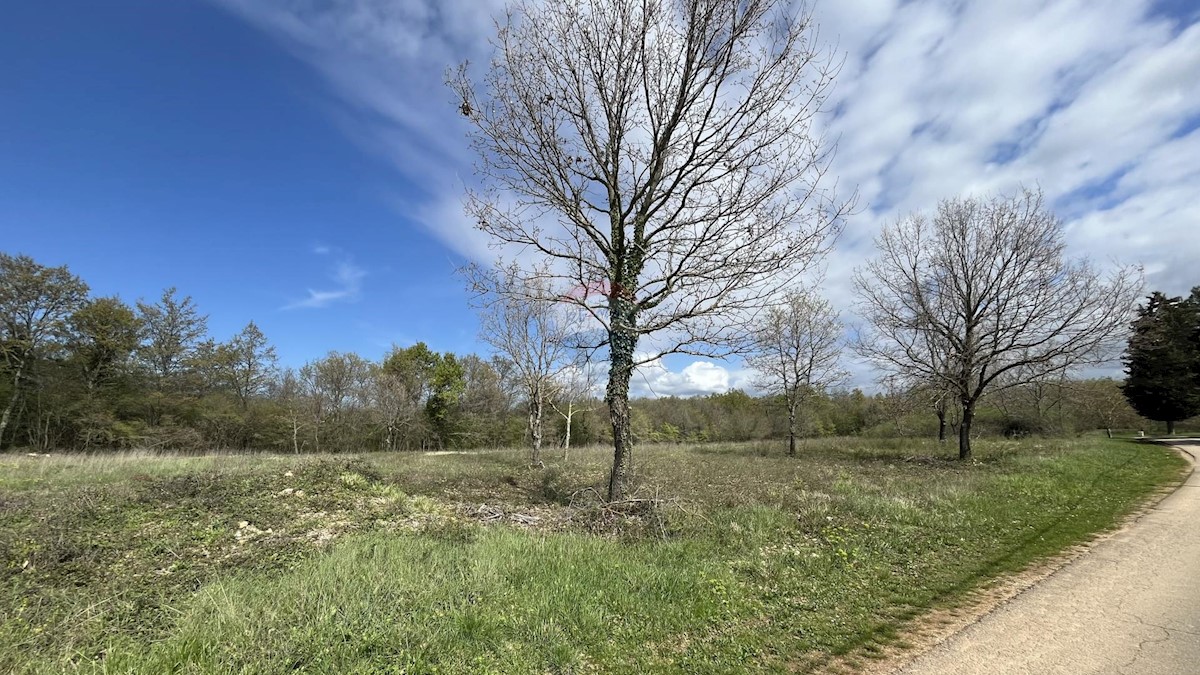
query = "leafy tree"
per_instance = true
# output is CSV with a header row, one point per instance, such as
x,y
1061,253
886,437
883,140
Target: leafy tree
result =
x,y
104,334
413,368
246,364
173,329
661,163
35,304
1162,362
447,384
399,393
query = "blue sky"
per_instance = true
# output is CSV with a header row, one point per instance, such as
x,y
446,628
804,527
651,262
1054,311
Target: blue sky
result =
x,y
299,163
150,144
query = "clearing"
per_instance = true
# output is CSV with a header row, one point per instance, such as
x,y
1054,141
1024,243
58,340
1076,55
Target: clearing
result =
x,y
733,559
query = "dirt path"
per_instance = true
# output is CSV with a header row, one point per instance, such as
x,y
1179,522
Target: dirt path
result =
x,y
1130,605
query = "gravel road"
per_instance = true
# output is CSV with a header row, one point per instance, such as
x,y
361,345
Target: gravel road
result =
x,y
1131,605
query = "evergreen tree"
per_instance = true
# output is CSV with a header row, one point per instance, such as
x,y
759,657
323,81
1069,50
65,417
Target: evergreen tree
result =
x,y
1162,361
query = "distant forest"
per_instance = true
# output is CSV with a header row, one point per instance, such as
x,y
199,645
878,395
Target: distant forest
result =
x,y
95,373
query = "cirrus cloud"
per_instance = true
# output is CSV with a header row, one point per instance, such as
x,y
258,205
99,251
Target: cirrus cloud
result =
x,y
1092,100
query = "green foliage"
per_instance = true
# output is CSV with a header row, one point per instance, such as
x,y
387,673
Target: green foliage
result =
x,y
665,433
104,334
173,329
447,383
1163,358
36,303
106,377
414,368
246,365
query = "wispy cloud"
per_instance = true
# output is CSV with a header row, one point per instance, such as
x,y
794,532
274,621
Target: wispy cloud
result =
x,y
346,278
1093,100
385,61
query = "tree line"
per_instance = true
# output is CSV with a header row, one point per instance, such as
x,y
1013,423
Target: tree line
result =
x,y
94,373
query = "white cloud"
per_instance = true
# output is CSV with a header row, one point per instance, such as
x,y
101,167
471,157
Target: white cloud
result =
x,y
699,378
347,283
1090,99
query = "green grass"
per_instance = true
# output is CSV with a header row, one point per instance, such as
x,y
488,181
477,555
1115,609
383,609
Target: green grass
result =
x,y
413,563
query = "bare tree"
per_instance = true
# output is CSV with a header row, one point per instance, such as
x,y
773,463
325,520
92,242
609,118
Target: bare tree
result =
x,y
290,392
1027,398
938,397
487,399
337,386
990,280
398,409
796,347
661,156
932,392
574,387
1101,404
523,320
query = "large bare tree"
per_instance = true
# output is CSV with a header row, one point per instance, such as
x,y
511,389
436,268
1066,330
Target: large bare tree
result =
x,y
662,157
982,297
796,347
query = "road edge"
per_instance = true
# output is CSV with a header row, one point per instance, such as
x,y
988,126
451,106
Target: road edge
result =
x,y
929,631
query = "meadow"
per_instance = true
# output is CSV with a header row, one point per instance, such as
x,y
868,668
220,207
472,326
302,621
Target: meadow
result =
x,y
729,558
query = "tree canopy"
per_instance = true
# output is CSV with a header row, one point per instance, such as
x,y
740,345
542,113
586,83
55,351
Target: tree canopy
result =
x,y
662,163
983,297
1162,362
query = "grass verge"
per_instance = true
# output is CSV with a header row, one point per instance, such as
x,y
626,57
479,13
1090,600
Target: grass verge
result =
x,y
474,563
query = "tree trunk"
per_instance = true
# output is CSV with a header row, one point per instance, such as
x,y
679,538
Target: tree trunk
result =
x,y
964,430
941,415
622,342
1170,427
12,402
535,430
1109,431
567,437
791,431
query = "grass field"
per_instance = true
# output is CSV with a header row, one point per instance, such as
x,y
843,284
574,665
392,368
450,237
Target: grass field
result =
x,y
733,558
